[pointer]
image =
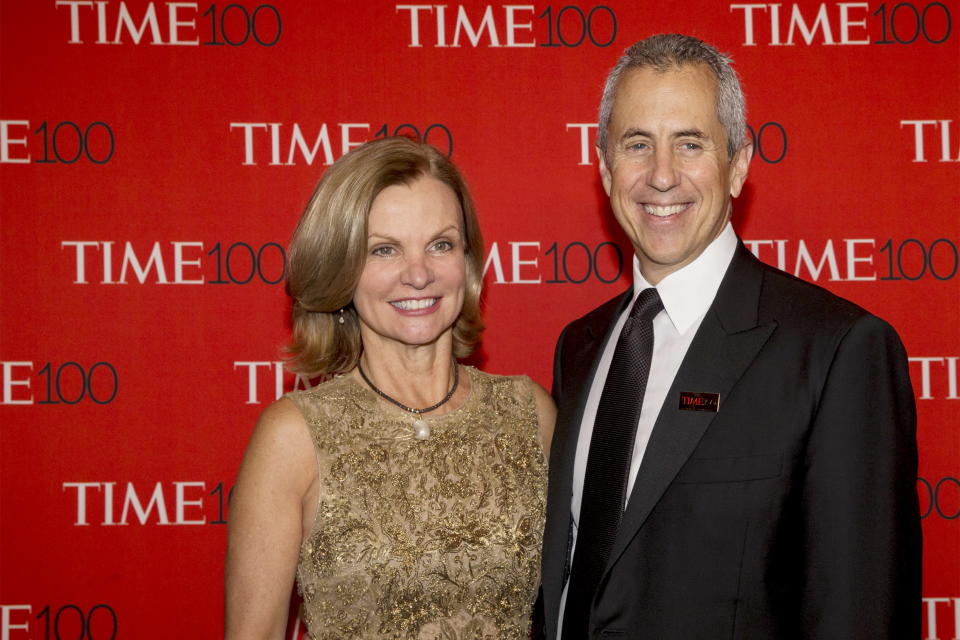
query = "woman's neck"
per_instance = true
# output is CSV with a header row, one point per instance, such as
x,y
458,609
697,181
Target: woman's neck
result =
x,y
414,375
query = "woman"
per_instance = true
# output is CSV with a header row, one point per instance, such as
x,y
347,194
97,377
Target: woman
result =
x,y
406,492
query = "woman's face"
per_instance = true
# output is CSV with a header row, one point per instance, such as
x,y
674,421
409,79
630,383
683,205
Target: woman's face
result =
x,y
412,285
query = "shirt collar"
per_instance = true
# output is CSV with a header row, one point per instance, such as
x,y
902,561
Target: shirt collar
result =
x,y
688,292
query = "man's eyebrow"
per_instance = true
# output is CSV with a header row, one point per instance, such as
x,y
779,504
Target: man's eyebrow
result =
x,y
691,133
685,133
629,133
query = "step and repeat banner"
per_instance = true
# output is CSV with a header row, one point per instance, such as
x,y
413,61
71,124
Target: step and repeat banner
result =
x,y
155,157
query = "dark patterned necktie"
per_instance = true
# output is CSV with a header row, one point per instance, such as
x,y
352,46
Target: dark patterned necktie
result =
x,y
608,463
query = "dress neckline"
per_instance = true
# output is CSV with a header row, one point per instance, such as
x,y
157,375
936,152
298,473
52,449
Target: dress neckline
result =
x,y
380,402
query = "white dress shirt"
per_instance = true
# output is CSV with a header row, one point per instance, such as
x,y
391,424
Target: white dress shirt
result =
x,y
686,294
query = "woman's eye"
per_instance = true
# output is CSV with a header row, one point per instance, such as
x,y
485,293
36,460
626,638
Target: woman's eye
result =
x,y
383,252
443,245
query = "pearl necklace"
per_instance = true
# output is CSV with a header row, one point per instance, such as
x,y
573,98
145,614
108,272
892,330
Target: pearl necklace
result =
x,y
421,430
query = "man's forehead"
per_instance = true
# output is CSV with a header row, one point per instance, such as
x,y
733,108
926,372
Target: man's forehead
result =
x,y
636,80
696,71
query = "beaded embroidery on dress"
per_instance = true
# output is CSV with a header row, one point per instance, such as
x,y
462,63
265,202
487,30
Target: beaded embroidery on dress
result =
x,y
435,539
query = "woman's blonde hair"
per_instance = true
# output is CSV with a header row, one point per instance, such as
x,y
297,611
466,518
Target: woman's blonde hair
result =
x,y
329,247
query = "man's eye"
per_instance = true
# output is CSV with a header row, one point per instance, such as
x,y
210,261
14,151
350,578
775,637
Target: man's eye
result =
x,y
691,146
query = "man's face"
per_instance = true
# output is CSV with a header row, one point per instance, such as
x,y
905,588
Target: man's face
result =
x,y
667,171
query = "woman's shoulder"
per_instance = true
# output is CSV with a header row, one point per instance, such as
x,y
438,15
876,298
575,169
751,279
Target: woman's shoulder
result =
x,y
323,395
489,381
521,384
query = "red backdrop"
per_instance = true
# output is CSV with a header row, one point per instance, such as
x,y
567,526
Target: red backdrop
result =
x,y
154,159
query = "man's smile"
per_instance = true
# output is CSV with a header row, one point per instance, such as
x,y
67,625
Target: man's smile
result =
x,y
665,210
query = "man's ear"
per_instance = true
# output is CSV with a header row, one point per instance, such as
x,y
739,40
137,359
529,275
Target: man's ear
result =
x,y
739,167
604,171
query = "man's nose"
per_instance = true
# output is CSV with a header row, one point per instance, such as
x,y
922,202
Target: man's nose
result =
x,y
664,174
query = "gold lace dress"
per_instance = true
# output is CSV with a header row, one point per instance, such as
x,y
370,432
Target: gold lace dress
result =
x,y
429,539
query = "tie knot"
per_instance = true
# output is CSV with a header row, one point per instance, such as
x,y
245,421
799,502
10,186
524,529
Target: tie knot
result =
x,y
647,305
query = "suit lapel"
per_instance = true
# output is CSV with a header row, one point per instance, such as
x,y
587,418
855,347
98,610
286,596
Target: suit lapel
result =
x,y
580,353
727,341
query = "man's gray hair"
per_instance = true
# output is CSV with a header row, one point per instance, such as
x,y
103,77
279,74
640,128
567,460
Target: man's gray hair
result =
x,y
667,51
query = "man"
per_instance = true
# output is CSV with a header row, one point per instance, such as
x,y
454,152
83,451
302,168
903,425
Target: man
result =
x,y
759,483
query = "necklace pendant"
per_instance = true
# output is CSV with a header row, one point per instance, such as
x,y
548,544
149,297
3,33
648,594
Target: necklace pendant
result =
x,y
421,430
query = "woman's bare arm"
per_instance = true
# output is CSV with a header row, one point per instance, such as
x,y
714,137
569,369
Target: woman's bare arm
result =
x,y
266,524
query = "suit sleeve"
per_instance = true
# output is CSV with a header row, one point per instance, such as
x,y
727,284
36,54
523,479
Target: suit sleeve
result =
x,y
861,524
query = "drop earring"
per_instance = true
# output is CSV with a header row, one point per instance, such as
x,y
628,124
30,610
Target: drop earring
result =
x,y
341,321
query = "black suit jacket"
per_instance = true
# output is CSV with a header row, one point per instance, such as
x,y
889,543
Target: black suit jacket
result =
x,y
792,511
